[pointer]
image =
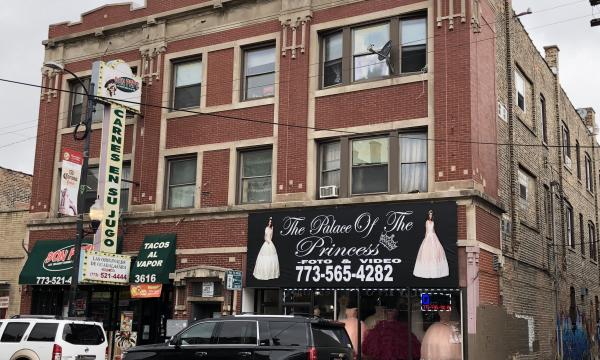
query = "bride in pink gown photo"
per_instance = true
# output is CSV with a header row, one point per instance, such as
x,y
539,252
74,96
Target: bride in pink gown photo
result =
x,y
267,262
431,260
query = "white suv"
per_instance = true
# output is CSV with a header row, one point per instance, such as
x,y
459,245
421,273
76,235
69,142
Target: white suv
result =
x,y
51,338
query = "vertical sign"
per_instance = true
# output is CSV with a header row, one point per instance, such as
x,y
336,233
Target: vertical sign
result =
x,y
69,181
120,90
111,171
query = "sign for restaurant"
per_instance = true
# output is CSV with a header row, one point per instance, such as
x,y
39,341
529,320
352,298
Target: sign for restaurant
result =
x,y
111,172
50,262
97,267
382,245
4,301
145,291
69,181
115,83
156,260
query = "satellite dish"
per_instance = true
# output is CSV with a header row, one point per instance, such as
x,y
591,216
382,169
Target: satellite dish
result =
x,y
384,54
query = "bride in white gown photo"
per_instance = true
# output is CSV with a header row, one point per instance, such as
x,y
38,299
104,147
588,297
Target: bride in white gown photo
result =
x,y
431,260
267,262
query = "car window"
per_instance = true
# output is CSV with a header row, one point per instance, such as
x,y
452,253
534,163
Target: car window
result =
x,y
330,336
14,332
83,334
198,334
237,332
287,333
43,332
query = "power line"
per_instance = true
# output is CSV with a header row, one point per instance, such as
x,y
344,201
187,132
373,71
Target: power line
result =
x,y
305,127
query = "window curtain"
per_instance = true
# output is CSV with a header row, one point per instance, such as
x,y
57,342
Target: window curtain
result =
x,y
413,162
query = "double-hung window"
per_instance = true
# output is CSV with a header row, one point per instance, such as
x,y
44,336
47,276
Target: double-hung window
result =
x,y
544,118
330,163
367,65
413,34
566,146
92,192
581,234
187,84
255,176
413,162
181,189
332,59
570,231
357,53
578,159
78,103
259,72
592,240
370,158
520,90
589,180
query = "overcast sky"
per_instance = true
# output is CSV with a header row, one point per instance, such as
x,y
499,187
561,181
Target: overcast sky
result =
x,y
24,24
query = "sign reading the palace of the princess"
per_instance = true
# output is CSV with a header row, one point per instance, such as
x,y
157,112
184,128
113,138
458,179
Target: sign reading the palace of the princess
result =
x,y
382,245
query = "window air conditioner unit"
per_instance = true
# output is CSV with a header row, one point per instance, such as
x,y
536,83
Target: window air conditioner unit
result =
x,y
329,191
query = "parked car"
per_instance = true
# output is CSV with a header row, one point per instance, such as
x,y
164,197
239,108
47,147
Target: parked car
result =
x,y
51,338
260,337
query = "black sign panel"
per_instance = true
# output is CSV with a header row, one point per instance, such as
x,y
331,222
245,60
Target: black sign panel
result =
x,y
383,245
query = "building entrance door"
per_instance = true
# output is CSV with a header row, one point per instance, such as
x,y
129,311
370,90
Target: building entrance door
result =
x,y
203,310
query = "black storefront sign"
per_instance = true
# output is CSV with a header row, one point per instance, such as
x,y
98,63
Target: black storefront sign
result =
x,y
354,246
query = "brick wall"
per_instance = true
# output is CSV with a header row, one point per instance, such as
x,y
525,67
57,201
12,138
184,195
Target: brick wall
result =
x,y
211,129
219,81
375,106
215,178
15,193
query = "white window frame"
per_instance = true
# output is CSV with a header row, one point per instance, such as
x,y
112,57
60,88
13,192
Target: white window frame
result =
x,y
520,89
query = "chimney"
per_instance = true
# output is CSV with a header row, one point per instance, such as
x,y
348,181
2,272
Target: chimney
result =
x,y
552,57
589,117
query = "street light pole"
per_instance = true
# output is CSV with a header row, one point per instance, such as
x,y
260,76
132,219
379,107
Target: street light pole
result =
x,y
87,124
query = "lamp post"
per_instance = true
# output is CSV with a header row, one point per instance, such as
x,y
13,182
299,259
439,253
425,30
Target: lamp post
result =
x,y
87,124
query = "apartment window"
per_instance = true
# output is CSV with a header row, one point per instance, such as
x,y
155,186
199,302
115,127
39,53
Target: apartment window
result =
x,y
526,187
413,34
413,162
367,65
520,89
347,56
370,158
548,211
78,103
92,192
589,180
566,144
544,119
181,188
187,83
259,72
255,176
581,234
330,164
332,59
592,240
570,231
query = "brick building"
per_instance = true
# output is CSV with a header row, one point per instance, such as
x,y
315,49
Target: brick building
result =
x,y
15,193
255,113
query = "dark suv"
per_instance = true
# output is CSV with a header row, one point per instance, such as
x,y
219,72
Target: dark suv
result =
x,y
259,337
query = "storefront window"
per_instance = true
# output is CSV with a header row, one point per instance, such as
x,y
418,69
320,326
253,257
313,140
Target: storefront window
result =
x,y
392,321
